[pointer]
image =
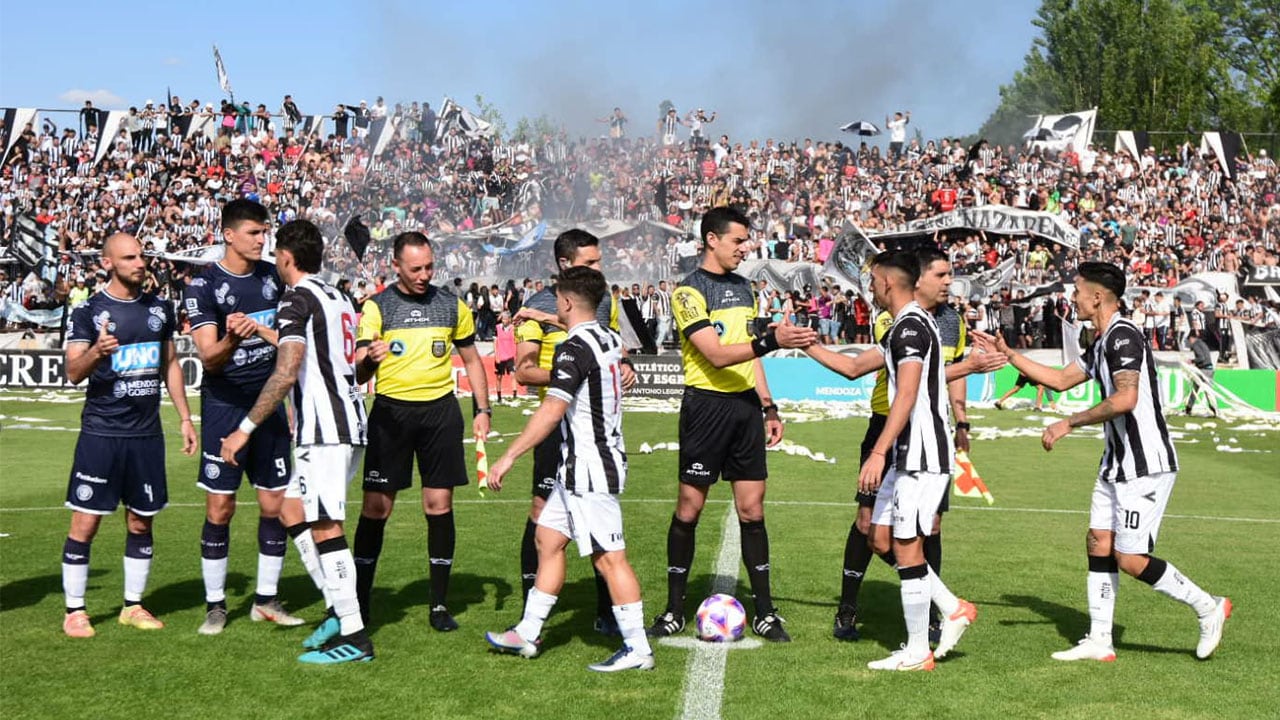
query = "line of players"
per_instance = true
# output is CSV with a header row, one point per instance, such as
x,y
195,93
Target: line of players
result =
x,y
405,340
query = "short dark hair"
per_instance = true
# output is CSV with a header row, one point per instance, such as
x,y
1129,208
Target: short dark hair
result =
x,y
718,219
242,210
304,242
569,242
928,255
900,260
1107,275
582,282
412,237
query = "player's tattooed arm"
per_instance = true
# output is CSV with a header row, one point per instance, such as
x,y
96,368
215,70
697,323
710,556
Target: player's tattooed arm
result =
x,y
288,362
1123,400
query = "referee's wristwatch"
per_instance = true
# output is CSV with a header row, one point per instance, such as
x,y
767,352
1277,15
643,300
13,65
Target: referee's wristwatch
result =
x,y
964,425
483,411
766,408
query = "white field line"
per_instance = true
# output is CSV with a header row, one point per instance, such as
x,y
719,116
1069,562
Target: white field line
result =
x,y
783,503
704,677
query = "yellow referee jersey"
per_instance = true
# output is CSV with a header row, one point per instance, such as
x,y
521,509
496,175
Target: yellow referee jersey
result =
x,y
725,303
421,331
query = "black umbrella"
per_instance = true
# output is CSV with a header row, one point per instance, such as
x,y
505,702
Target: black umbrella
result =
x,y
861,127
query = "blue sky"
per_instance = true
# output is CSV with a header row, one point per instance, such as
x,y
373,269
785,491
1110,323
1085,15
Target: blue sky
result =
x,y
771,69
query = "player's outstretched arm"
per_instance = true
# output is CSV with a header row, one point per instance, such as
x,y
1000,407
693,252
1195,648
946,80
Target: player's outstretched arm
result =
x,y
541,423
976,363
1122,401
288,362
1057,379
850,366
177,389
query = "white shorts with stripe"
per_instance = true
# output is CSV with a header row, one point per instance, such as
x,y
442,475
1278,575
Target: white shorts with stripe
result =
x,y
592,520
320,477
908,501
1132,510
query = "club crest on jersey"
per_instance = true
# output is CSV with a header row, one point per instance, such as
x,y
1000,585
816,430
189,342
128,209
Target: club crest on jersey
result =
x,y
155,323
397,347
438,348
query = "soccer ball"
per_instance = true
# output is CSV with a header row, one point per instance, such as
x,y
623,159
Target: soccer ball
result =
x,y
721,618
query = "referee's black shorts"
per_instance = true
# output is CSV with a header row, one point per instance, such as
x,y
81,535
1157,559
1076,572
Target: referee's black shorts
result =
x,y
721,435
546,464
874,428
400,430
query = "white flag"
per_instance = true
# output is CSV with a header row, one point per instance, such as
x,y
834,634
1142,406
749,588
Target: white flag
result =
x,y
223,81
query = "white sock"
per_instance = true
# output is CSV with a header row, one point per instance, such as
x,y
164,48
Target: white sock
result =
x,y
340,579
536,610
215,579
915,609
311,561
1180,587
1102,587
269,569
630,619
75,578
946,600
136,571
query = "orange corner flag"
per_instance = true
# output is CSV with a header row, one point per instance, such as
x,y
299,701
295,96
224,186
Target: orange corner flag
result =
x,y
967,481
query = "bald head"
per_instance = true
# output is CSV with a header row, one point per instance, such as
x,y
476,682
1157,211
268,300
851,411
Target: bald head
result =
x,y
120,242
122,257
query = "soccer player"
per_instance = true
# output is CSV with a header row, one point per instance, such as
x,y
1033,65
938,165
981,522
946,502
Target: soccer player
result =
x,y
316,360
721,430
232,308
585,401
407,335
121,341
1138,468
538,333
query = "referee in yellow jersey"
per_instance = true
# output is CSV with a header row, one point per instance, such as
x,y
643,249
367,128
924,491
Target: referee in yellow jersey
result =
x,y
722,431
406,336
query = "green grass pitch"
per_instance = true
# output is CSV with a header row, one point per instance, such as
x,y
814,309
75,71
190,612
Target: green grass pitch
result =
x,y
1021,562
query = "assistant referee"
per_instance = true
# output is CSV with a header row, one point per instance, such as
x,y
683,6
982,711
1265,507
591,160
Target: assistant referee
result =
x,y
406,336
722,433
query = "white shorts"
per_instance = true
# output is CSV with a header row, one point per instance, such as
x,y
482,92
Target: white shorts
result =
x,y
321,474
908,501
592,520
1132,510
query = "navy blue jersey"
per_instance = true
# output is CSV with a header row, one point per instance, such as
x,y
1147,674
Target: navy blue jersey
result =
x,y
123,397
213,295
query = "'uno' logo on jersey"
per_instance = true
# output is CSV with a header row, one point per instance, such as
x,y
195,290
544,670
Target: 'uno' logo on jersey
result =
x,y
265,318
136,359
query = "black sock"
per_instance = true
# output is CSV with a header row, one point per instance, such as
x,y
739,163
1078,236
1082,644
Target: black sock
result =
x,y
755,553
528,559
368,546
680,537
441,537
933,556
604,601
857,556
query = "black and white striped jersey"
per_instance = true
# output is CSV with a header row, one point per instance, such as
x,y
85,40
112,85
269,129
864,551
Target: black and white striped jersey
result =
x,y
587,373
328,409
1138,441
925,443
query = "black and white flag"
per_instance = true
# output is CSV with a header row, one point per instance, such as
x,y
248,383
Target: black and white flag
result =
x,y
15,121
224,82
108,133
1133,142
32,243
1224,146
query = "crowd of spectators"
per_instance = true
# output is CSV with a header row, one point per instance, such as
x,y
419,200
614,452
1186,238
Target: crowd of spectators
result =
x,y
1163,216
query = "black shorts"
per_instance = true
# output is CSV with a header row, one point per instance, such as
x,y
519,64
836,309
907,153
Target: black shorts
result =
x,y
504,367
875,426
400,430
109,470
266,458
721,435
546,464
